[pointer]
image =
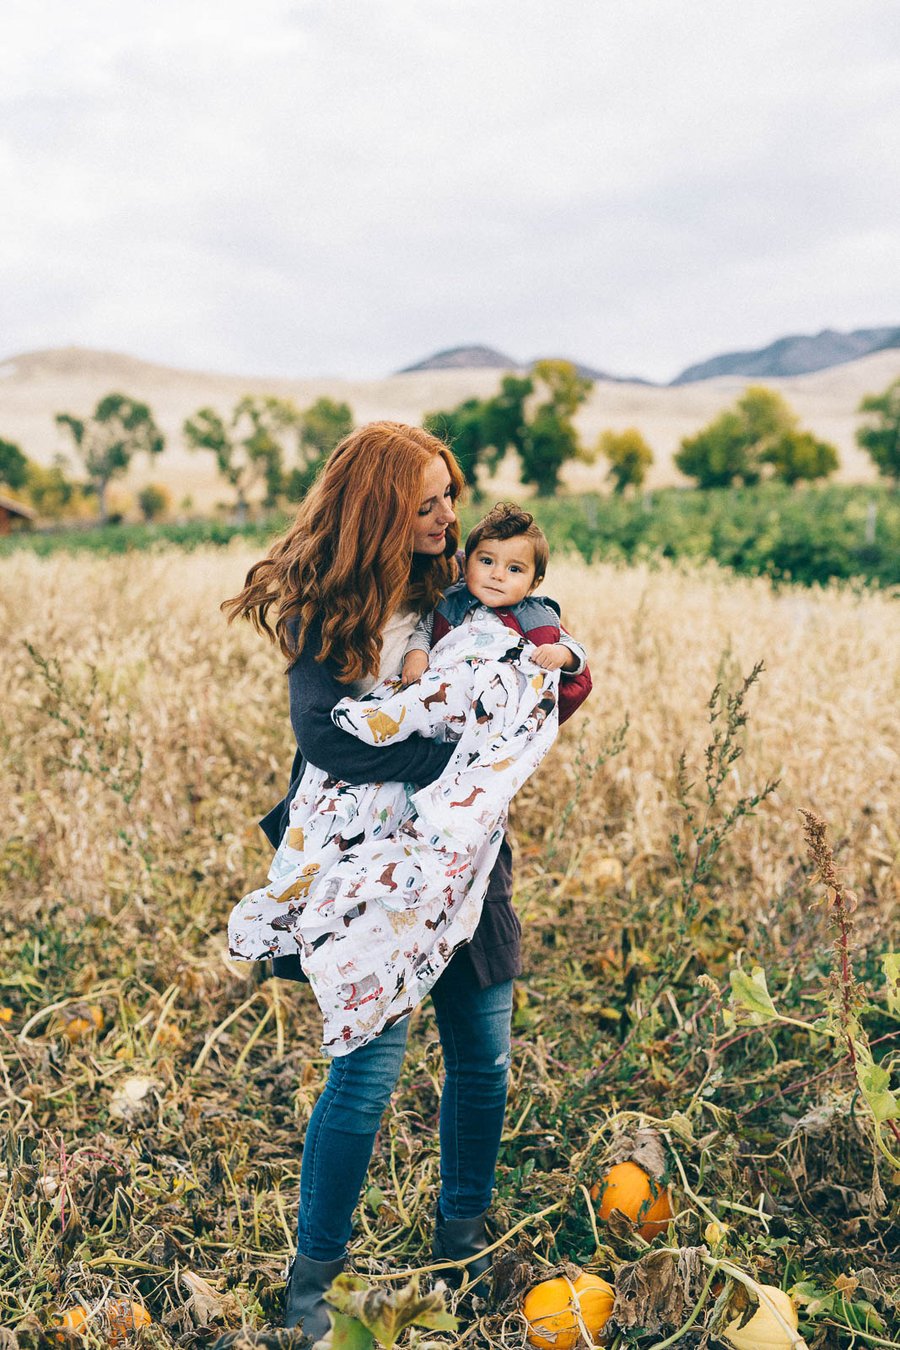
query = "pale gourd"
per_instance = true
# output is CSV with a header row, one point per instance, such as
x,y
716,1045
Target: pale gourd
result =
x,y
763,1331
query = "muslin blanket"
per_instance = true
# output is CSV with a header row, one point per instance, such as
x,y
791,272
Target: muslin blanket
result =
x,y
375,886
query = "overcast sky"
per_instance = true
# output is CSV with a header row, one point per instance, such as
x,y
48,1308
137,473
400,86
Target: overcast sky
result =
x,y
324,187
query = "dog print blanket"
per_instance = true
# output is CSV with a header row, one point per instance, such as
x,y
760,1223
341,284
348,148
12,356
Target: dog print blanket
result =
x,y
376,885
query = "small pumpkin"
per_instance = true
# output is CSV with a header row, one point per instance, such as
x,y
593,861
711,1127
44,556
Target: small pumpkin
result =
x,y
115,1321
87,1019
763,1331
550,1310
628,1188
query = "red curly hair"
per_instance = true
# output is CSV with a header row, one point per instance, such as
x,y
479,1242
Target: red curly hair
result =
x,y
348,556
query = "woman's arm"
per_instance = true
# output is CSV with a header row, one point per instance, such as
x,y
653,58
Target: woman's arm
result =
x,y
314,690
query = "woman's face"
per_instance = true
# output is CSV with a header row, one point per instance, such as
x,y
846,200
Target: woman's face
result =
x,y
435,509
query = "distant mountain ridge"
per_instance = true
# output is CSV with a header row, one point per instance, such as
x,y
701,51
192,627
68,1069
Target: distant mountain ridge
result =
x,y
488,358
464,358
800,354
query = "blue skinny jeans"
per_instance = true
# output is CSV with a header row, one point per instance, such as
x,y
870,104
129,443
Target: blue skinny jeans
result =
x,y
474,1026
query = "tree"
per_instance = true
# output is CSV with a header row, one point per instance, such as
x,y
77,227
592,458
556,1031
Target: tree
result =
x,y
249,450
463,430
551,442
797,455
629,457
881,438
503,419
119,428
49,490
550,439
737,443
566,387
718,454
13,466
154,501
766,416
322,426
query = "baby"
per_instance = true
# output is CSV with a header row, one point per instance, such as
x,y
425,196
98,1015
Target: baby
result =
x,y
506,559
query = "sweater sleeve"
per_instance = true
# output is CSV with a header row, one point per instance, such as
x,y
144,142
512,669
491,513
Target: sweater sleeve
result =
x,y
314,689
421,635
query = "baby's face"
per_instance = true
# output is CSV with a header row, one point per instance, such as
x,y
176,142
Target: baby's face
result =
x,y
500,572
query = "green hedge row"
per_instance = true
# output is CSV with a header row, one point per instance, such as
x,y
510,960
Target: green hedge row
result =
x,y
122,538
809,535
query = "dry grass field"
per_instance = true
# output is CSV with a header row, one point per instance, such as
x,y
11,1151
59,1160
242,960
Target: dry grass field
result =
x,y
155,1094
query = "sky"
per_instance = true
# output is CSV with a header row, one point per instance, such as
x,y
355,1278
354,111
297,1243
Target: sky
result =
x,y
319,187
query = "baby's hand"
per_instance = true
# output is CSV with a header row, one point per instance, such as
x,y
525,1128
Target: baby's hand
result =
x,y
550,656
415,664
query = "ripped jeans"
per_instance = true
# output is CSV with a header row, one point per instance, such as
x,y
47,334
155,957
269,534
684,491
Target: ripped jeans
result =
x,y
474,1026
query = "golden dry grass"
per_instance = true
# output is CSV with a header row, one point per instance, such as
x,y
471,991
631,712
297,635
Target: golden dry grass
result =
x,y
142,738
204,705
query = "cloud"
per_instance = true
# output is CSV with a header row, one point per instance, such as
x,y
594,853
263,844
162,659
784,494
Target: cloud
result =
x,y
333,187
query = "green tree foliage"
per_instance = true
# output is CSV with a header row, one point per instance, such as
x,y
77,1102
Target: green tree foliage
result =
x,y
119,428
13,466
881,437
761,429
717,455
50,492
480,431
629,457
797,455
154,501
550,439
249,448
462,428
567,389
765,416
503,419
322,426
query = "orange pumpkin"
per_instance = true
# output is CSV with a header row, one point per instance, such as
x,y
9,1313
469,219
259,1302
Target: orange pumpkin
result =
x,y
552,1309
115,1321
628,1188
83,1023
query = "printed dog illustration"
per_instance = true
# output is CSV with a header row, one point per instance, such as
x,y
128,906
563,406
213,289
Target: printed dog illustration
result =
x,y
355,994
299,889
439,696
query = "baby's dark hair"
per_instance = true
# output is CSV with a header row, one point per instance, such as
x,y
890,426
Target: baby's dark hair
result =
x,y
507,521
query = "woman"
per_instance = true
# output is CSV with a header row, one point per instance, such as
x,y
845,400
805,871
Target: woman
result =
x,y
373,547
